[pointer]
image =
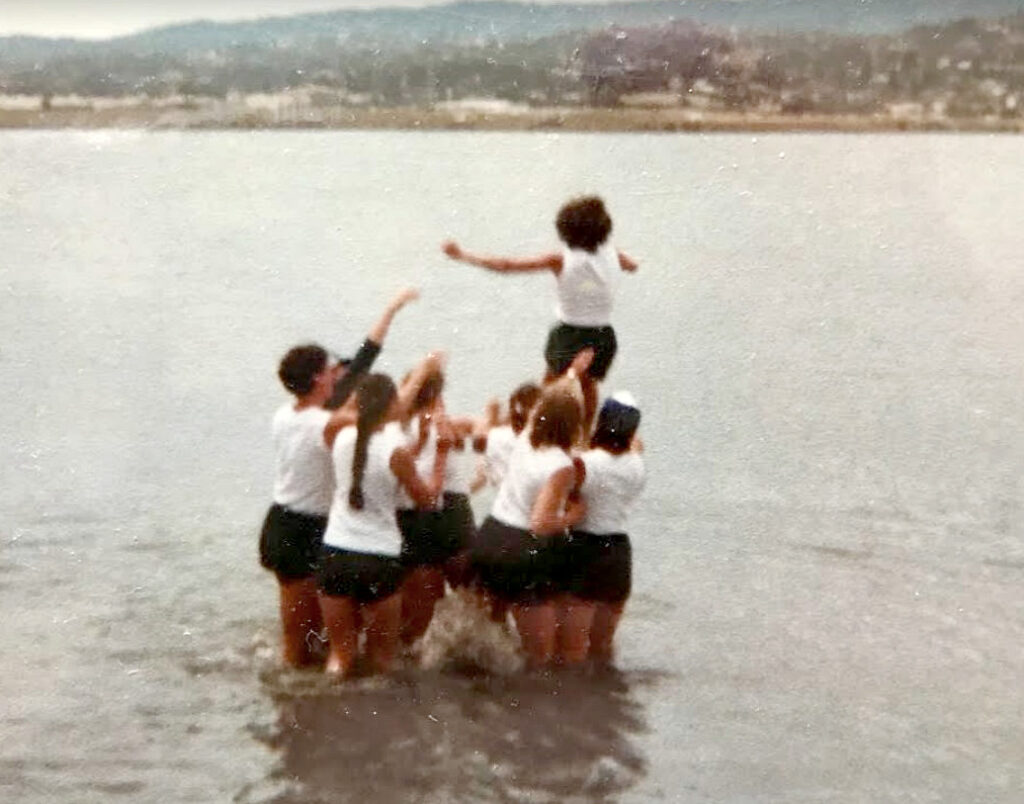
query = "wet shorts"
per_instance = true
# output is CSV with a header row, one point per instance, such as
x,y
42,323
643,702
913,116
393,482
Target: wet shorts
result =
x,y
430,538
364,577
566,341
598,567
290,542
516,566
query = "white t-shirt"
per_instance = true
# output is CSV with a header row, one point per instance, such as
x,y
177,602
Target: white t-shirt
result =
x,y
586,286
528,470
500,442
456,474
303,479
612,485
372,529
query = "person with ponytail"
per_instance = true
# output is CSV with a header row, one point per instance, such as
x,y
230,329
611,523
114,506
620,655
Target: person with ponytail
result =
x,y
302,430
518,553
361,572
598,555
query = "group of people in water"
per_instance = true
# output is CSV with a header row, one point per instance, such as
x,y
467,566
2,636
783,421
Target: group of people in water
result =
x,y
371,519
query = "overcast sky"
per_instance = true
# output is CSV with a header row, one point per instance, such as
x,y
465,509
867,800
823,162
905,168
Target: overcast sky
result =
x,y
104,18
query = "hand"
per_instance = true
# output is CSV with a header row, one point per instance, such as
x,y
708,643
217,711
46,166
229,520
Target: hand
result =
x,y
436,360
451,248
582,361
404,296
575,509
492,412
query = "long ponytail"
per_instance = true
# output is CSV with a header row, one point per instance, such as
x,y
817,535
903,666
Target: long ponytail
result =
x,y
373,398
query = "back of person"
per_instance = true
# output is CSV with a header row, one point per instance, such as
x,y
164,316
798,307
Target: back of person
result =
x,y
611,487
528,470
501,441
371,529
586,286
303,479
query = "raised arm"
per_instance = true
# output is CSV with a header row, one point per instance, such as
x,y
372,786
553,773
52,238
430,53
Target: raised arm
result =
x,y
544,262
553,510
380,329
433,362
369,350
627,263
424,492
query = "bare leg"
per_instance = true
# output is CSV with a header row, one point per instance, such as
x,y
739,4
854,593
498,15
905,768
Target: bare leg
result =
x,y
300,617
422,589
537,624
602,631
342,618
575,617
383,619
589,386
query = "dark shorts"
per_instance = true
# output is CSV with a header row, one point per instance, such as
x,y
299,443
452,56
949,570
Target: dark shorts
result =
x,y
516,566
364,577
290,542
431,538
598,567
566,341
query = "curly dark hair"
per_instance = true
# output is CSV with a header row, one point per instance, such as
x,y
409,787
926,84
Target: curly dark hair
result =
x,y
584,223
298,368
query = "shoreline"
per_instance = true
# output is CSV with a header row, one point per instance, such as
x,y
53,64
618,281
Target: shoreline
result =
x,y
553,119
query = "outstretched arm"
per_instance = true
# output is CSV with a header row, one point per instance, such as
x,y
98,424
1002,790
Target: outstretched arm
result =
x,y
380,329
545,262
627,263
368,352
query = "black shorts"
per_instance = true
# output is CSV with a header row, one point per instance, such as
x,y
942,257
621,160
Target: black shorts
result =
x,y
516,566
598,567
364,577
566,341
290,542
430,538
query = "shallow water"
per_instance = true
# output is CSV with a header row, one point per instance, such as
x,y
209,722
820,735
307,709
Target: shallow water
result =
x,y
826,340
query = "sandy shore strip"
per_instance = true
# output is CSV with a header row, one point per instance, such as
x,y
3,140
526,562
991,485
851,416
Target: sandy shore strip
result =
x,y
619,119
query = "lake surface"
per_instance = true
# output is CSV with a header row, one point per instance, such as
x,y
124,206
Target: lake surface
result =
x,y
826,337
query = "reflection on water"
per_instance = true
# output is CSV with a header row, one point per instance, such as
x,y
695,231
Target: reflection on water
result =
x,y
450,737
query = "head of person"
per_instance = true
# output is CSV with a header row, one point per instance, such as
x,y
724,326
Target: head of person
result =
x,y
521,404
376,398
617,423
557,421
584,223
308,368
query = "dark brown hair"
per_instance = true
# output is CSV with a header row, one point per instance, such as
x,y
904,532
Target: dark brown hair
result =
x,y
520,403
373,398
584,223
300,366
557,421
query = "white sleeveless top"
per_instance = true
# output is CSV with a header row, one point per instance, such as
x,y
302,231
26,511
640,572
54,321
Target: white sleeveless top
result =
x,y
586,286
456,474
303,478
528,470
372,529
612,485
500,443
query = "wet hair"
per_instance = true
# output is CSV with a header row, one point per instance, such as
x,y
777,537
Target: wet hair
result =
x,y
429,392
557,421
520,403
616,425
373,398
298,368
584,223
